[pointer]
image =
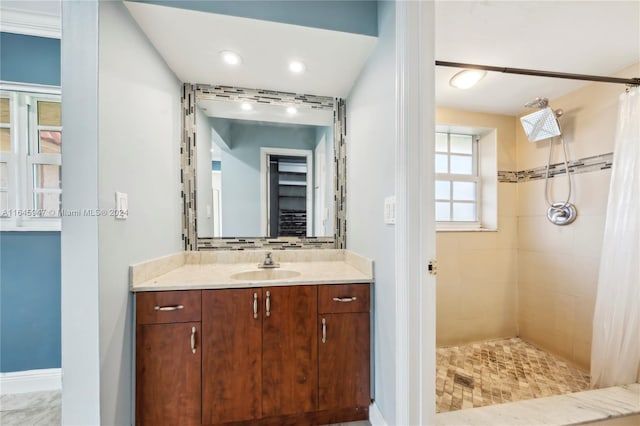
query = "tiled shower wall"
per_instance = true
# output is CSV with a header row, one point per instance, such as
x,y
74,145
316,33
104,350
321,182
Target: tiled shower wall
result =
x,y
477,271
532,278
558,266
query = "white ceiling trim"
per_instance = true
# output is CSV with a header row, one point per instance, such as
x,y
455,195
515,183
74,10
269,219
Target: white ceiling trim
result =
x,y
30,23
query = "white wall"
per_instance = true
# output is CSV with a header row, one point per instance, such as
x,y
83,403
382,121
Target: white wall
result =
x,y
79,237
138,153
204,187
371,114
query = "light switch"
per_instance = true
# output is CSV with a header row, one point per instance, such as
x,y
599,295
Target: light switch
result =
x,y
122,206
390,210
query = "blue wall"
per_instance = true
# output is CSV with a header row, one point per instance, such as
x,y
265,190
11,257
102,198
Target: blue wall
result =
x,y
358,17
29,300
29,261
29,59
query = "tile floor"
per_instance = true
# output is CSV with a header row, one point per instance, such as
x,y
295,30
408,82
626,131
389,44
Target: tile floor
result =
x,y
35,408
499,371
43,409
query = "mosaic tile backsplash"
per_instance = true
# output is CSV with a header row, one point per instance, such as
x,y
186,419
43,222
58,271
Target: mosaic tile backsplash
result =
x,y
188,170
583,165
499,371
284,243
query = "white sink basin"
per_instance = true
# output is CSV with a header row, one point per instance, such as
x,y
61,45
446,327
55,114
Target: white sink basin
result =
x,y
265,275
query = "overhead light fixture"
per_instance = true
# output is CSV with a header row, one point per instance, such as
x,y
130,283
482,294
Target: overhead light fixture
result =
x,y
246,106
230,58
297,67
467,78
292,110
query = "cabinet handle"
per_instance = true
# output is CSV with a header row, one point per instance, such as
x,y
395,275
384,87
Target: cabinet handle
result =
x,y
193,340
268,304
255,305
345,299
169,308
324,330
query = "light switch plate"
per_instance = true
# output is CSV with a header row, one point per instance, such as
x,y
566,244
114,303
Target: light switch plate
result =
x,y
390,210
122,205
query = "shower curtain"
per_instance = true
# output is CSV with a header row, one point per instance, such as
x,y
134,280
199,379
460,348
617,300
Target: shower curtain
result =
x,y
615,347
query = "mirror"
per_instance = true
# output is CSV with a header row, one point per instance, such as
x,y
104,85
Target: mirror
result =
x,y
263,170
265,164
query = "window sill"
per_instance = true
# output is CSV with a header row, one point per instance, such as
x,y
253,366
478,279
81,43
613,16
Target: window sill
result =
x,y
48,227
466,230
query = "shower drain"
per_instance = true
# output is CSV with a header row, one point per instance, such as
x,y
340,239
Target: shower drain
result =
x,y
463,380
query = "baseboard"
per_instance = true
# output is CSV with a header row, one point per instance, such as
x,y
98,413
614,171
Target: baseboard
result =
x,y
31,381
375,416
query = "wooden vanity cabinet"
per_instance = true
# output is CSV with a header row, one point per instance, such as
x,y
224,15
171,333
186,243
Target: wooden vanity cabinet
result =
x,y
232,360
260,353
168,358
344,346
263,356
289,351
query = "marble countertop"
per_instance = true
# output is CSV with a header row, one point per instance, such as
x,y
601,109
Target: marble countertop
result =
x,y
215,270
575,408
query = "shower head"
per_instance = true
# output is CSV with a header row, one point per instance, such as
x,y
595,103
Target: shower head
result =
x,y
537,103
541,124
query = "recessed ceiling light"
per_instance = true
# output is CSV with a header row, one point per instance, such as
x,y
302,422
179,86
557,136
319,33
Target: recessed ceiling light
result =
x,y
246,106
467,78
297,67
230,58
292,110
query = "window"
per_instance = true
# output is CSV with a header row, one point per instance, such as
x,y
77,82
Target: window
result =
x,y
5,151
30,157
457,180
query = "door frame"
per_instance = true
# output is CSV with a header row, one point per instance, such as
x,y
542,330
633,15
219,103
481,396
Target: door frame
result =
x,y
415,221
265,152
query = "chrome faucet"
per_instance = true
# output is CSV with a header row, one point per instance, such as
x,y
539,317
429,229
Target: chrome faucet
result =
x,y
268,262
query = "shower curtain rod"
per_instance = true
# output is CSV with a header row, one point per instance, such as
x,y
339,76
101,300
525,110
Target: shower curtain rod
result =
x,y
523,71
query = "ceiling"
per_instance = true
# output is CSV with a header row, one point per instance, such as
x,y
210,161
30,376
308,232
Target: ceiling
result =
x,y
40,7
333,59
582,37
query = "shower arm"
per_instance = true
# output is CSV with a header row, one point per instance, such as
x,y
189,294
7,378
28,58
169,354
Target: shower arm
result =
x,y
539,73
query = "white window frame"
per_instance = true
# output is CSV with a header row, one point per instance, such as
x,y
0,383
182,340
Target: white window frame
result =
x,y
24,155
452,177
9,157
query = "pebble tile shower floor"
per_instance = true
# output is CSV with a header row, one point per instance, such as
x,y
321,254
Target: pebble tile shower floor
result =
x,y
498,371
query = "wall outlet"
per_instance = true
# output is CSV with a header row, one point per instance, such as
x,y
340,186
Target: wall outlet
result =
x,y
390,210
122,205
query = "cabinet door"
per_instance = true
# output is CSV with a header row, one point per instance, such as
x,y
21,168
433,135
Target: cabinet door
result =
x,y
232,351
168,379
343,352
289,351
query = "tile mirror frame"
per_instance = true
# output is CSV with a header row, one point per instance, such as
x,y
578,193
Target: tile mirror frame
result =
x,y
190,240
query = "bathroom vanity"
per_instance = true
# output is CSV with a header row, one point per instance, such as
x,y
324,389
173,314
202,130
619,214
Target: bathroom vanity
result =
x,y
221,341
